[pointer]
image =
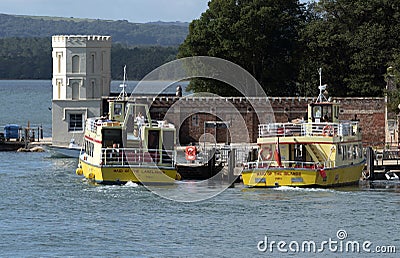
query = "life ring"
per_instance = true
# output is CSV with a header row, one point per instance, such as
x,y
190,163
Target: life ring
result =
x,y
190,153
328,130
266,153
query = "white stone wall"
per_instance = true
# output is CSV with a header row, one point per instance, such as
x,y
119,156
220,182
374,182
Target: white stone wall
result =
x,y
91,72
81,76
60,115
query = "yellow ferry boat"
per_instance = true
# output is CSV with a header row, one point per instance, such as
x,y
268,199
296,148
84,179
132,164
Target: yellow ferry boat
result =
x,y
126,146
321,151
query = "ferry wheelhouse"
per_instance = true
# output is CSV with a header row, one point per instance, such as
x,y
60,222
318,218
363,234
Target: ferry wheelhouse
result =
x,y
321,151
128,146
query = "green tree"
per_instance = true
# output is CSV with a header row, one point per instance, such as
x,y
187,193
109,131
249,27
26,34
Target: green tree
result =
x,y
353,41
259,35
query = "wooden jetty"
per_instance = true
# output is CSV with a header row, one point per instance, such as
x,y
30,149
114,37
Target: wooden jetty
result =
x,y
224,161
382,164
16,137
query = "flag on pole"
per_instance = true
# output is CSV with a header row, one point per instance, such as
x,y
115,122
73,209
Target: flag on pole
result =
x,y
277,154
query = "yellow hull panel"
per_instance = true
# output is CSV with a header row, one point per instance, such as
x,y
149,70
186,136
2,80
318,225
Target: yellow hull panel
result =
x,y
119,174
274,176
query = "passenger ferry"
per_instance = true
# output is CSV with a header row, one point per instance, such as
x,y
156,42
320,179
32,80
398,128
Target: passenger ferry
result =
x,y
321,151
128,146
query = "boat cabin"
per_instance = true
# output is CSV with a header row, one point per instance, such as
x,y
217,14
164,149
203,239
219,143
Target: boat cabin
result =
x,y
323,112
323,140
129,136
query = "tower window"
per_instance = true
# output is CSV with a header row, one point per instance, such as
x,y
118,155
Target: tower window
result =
x,y
75,64
59,56
75,122
93,62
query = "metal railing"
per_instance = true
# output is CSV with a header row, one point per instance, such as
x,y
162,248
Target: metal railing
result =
x,y
93,123
241,154
137,156
387,157
347,128
285,164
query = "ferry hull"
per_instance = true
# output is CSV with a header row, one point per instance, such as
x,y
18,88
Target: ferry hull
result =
x,y
298,177
123,174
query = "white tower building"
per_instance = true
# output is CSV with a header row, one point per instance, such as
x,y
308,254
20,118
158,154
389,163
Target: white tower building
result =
x,y
81,76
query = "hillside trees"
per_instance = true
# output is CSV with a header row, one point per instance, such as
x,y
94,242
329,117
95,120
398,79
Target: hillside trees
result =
x,y
122,31
31,58
139,61
25,58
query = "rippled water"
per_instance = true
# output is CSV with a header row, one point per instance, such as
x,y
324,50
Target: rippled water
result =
x,y
47,210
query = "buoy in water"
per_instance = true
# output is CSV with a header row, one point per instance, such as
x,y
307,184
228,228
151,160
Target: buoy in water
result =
x,y
79,171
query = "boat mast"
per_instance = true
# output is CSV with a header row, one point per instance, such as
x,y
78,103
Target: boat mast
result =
x,y
322,88
122,94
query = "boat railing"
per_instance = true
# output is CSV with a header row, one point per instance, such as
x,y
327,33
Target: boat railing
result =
x,y
345,128
137,157
285,164
93,123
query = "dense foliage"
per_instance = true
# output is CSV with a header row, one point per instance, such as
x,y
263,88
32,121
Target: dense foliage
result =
x,y
122,31
261,36
283,43
354,42
25,58
30,58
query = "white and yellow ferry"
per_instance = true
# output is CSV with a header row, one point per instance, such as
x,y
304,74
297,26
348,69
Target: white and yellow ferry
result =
x,y
128,146
321,151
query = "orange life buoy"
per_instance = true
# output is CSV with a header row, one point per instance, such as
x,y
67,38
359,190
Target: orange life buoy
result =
x,y
328,130
190,153
266,153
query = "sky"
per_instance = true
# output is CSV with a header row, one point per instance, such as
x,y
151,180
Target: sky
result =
x,y
132,10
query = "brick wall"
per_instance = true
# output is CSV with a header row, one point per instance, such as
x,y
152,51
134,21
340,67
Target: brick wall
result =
x,y
189,115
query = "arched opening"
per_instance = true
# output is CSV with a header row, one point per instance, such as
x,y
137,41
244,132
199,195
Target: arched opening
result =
x,y
75,90
75,64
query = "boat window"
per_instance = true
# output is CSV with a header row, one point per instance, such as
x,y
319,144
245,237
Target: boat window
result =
x,y
168,146
344,152
317,111
168,140
339,149
350,152
89,147
298,152
336,112
118,109
153,140
327,114
355,151
111,137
